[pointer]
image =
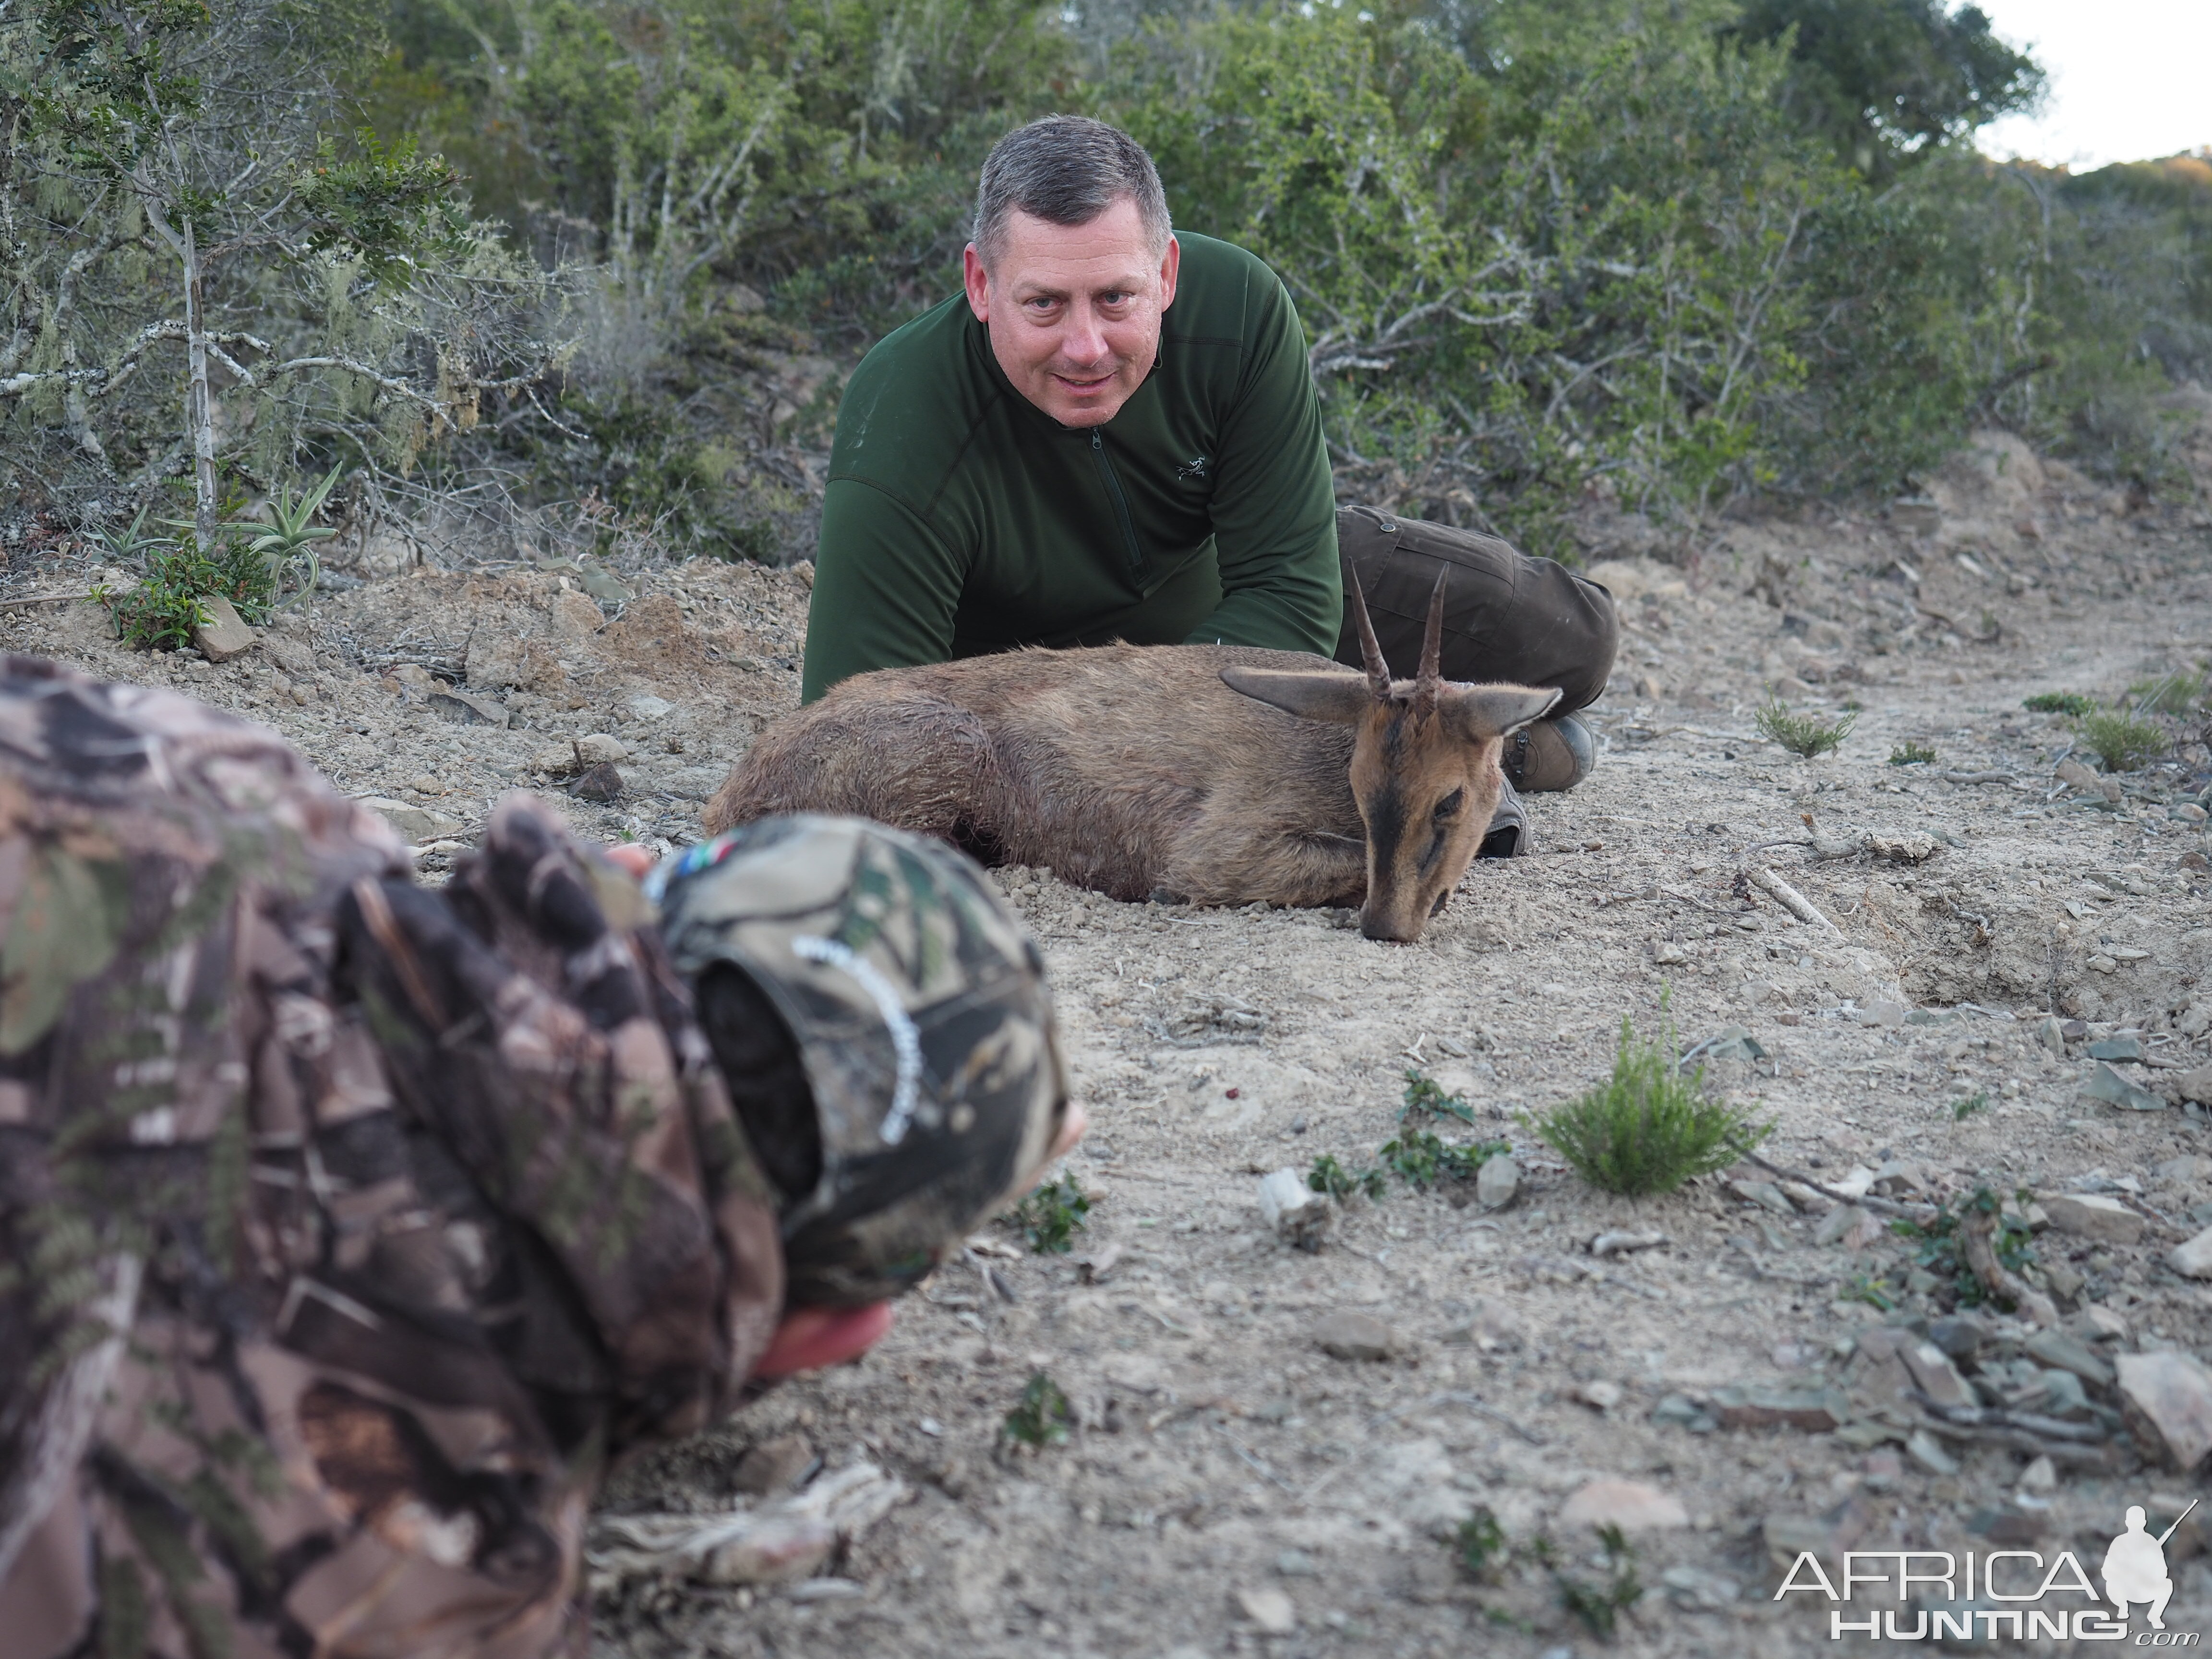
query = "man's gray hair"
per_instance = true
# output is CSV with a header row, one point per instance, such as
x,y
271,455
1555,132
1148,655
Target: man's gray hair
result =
x,y
1066,170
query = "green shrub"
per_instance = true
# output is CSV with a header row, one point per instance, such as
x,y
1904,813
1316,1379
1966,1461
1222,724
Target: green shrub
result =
x,y
1807,735
1042,1416
1648,1128
1425,1096
1332,1179
2181,692
2073,703
1938,1240
1911,754
2123,742
1421,1160
1051,1216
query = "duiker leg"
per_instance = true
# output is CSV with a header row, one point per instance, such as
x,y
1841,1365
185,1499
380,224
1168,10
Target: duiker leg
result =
x,y
1221,859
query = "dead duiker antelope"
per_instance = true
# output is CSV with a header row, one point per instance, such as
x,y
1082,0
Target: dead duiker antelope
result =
x,y
1215,775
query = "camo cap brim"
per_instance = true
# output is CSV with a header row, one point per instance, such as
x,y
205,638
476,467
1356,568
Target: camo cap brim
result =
x,y
924,1021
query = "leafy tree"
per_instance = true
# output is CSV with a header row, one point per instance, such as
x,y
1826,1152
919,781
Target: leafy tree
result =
x,y
1883,81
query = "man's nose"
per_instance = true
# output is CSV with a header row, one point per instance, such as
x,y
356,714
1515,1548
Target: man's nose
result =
x,y
1083,341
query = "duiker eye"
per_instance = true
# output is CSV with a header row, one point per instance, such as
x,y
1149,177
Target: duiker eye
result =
x,y
1450,805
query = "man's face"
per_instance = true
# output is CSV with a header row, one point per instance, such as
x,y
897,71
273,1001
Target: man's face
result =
x,y
1074,310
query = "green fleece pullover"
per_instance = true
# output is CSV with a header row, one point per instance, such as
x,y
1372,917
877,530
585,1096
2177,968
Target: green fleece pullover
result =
x,y
960,518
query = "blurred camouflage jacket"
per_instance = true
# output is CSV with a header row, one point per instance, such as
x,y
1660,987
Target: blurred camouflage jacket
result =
x,y
346,1229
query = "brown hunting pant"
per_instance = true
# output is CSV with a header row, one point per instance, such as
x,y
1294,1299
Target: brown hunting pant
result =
x,y
1507,616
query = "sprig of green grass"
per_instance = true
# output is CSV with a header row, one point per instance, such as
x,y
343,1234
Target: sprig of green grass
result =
x,y
1649,1128
1806,735
1042,1417
2074,704
1909,753
1425,1096
1332,1179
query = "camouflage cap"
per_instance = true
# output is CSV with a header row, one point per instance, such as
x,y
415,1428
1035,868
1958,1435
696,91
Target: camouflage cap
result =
x,y
919,1005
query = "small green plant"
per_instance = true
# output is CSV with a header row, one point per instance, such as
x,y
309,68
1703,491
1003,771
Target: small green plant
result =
x,y
1479,1546
1938,1240
1331,1179
1977,1102
1420,1160
2123,742
1598,1604
1803,734
1051,1216
2181,692
292,536
1425,1097
2073,704
1911,754
1649,1128
1869,1288
1042,1417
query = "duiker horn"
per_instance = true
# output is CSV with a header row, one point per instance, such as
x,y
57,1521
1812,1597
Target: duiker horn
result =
x,y
1429,682
1378,671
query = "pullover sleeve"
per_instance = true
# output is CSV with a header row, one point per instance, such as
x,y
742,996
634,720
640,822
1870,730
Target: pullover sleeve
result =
x,y
1275,508
886,588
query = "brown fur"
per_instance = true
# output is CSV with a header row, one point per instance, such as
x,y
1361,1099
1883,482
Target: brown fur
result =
x,y
1136,771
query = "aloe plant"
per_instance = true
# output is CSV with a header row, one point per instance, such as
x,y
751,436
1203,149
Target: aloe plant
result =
x,y
293,536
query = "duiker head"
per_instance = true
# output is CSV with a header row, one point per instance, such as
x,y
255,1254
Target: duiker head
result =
x,y
1424,765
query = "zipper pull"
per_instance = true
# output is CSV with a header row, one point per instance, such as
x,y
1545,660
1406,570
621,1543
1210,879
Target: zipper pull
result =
x,y
1096,442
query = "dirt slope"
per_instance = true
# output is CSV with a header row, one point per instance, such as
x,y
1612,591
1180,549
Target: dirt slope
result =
x,y
1220,1450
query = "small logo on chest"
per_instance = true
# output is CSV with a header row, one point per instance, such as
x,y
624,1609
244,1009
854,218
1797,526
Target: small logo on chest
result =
x,y
1194,468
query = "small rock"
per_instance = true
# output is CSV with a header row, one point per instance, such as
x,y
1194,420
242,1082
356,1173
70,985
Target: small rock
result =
x,y
414,824
2087,1215
1935,1375
2051,1035
223,635
2056,1348
1492,1325
1629,1505
2188,812
2195,1085
1347,1334
1497,1183
2009,1527
2193,1259
555,762
1924,1449
1603,1395
1667,953
1882,1011
2186,1168
1913,846
2106,1083
466,708
599,747
2074,775
1297,1564
1816,1411
773,1465
601,783
1621,1243
1960,1336
1295,1212
1692,1589
646,707
1848,1225
2166,1399
1855,1182
2101,963
2041,1475
2063,1394
2120,1048
1685,1412
1270,1609
1765,1193
2098,1323
575,616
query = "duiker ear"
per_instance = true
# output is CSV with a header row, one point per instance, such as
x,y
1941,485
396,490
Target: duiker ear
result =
x,y
1476,712
1336,699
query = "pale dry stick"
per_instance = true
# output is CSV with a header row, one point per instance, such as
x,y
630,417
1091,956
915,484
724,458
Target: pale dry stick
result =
x,y
1878,1205
41,598
1790,899
1976,1245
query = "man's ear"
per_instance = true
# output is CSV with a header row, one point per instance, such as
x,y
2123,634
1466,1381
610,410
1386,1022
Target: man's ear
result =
x,y
1335,699
1170,264
978,281
1476,713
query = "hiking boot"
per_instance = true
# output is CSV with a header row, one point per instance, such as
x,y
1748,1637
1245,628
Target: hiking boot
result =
x,y
1553,754
1508,836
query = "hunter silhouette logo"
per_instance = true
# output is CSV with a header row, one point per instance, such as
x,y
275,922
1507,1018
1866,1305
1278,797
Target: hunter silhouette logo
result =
x,y
2135,1566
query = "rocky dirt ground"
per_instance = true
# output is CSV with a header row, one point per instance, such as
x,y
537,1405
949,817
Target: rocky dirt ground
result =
x,y
1732,1395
